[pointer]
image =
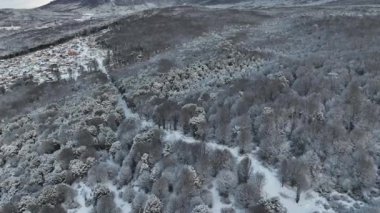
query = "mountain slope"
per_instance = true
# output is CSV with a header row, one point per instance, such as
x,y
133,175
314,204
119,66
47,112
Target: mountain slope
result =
x,y
192,109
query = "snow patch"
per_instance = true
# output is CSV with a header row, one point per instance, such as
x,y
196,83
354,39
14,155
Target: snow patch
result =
x,y
120,203
175,136
310,201
217,205
83,194
10,28
85,17
131,115
65,61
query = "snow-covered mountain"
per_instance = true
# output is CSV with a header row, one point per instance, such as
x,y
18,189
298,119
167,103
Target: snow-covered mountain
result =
x,y
257,3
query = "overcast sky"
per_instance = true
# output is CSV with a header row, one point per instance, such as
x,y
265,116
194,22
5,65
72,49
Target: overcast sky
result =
x,y
22,3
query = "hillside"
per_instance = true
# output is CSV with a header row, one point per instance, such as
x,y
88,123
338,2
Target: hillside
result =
x,y
113,107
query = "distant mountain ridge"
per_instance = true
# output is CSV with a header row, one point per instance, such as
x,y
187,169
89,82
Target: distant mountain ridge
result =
x,y
82,2
94,3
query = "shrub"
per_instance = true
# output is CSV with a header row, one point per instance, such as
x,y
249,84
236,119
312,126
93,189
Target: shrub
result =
x,y
153,205
49,209
106,137
244,195
226,182
188,153
267,206
48,146
9,208
228,210
188,182
144,181
139,202
248,194
65,156
98,173
128,194
207,198
195,201
127,130
125,175
220,159
160,188
85,138
106,204
201,209
148,142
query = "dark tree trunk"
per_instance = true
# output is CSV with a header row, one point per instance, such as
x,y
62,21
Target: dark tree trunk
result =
x,y
298,194
175,122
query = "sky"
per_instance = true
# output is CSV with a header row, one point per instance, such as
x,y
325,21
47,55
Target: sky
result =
x,y
22,3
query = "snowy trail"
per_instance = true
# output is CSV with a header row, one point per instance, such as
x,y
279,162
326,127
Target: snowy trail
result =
x,y
310,200
217,205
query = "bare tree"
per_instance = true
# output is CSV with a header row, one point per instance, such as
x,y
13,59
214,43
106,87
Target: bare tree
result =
x,y
187,111
284,171
222,121
303,183
365,170
245,134
226,182
354,101
296,173
244,169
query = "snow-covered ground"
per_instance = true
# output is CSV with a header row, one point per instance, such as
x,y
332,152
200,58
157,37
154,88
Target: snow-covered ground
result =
x,y
112,11
78,53
120,203
83,194
85,52
217,204
68,60
72,57
85,17
310,201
